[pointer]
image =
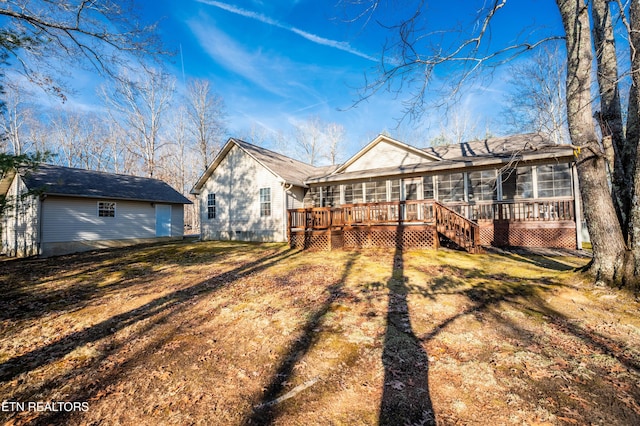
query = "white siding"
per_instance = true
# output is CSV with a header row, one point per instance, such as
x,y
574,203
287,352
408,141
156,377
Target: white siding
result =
x,y
385,154
236,182
76,219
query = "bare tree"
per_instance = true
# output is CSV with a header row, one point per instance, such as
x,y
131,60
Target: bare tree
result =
x,y
536,99
416,56
45,37
15,117
308,140
316,140
335,143
460,125
139,106
205,113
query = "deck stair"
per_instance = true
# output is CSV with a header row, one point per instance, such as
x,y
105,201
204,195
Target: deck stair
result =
x,y
463,232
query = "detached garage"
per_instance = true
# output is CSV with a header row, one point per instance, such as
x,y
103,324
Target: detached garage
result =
x,y
70,210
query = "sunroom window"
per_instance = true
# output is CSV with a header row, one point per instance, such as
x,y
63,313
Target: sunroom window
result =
x,y
517,183
451,187
376,191
482,185
554,180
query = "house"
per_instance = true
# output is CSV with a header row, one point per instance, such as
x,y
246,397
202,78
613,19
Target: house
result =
x,y
70,210
509,191
246,191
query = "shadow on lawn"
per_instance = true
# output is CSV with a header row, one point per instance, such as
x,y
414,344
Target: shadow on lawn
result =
x,y
604,392
26,292
405,397
266,411
159,310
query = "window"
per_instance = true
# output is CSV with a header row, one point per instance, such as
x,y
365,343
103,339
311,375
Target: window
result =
x,y
265,202
376,191
395,190
482,185
312,197
106,209
427,187
451,187
517,183
353,193
554,180
211,206
330,196
410,190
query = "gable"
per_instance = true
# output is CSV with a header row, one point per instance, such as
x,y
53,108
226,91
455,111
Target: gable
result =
x,y
385,152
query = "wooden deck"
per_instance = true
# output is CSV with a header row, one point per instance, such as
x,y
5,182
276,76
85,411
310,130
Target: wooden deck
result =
x,y
420,223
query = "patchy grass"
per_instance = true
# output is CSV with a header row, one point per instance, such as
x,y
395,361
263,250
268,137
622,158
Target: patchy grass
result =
x,y
238,333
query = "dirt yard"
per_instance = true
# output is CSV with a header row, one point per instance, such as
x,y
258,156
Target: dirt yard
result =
x,y
236,333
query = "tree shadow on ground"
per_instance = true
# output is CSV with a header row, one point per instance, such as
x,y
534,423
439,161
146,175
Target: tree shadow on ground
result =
x,y
156,309
605,391
26,293
405,398
266,411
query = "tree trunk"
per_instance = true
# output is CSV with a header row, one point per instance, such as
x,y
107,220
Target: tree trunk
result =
x,y
602,222
634,15
610,118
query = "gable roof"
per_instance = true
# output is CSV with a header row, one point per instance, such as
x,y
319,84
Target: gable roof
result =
x,y
477,154
481,153
290,171
70,182
394,142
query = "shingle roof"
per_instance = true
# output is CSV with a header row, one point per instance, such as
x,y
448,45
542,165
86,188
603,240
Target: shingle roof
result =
x,y
290,170
485,153
58,180
492,147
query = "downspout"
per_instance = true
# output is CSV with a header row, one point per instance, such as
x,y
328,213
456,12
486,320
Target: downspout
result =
x,y
577,206
40,225
286,187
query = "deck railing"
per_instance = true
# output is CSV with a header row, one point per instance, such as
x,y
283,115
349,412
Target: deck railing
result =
x,y
387,213
518,210
422,211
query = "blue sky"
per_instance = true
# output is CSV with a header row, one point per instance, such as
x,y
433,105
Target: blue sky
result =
x,y
278,62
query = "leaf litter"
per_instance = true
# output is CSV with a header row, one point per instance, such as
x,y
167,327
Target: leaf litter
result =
x,y
238,333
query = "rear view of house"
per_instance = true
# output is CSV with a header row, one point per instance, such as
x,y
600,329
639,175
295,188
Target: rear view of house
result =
x,y
71,210
518,190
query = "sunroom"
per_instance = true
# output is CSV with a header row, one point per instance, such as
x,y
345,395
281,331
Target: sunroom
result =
x,y
522,200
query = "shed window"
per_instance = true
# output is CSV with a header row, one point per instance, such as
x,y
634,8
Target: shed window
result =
x,y
106,209
265,202
211,206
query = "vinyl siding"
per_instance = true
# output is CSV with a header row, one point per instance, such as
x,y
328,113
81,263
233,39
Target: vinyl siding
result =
x,y
236,182
385,154
76,219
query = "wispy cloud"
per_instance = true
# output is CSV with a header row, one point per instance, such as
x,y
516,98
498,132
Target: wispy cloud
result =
x,y
226,52
340,45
